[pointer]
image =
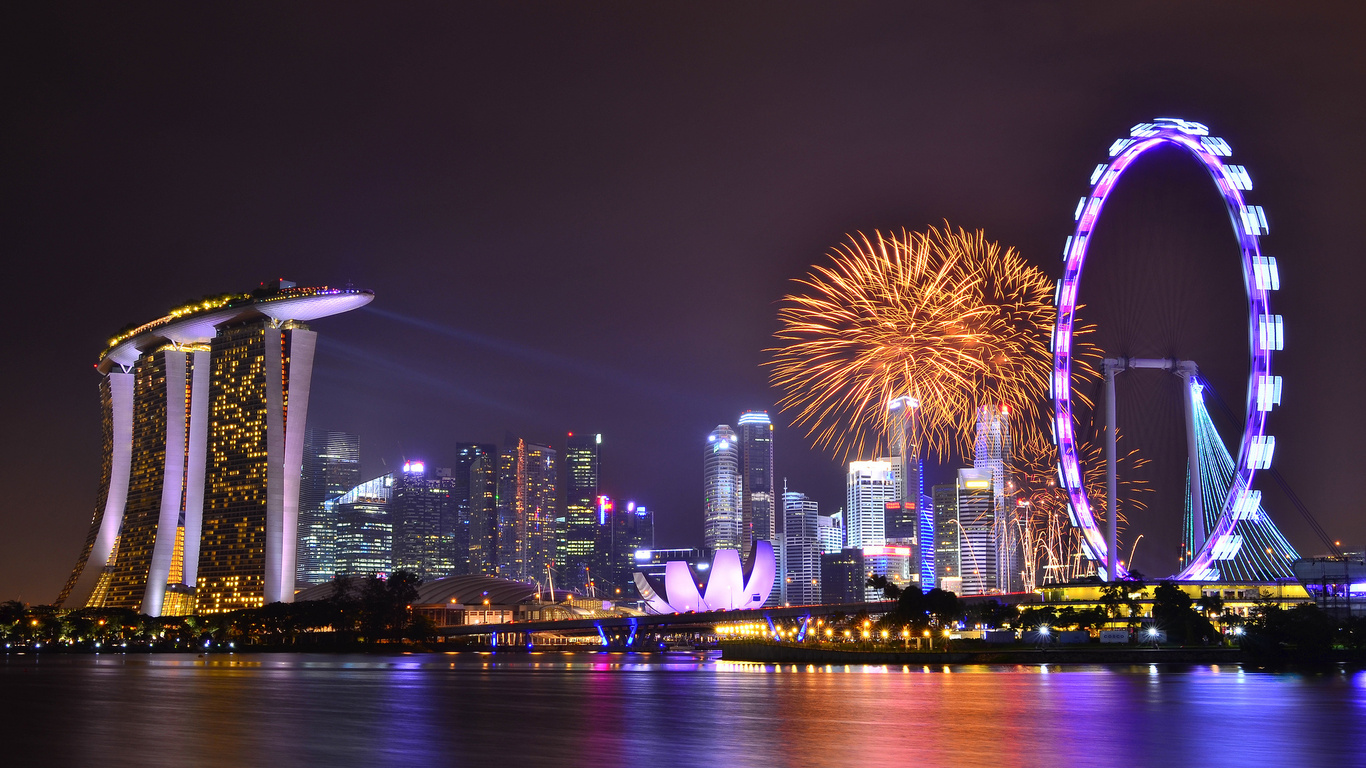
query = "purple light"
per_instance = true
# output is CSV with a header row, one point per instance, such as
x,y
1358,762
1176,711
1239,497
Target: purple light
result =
x,y
1249,223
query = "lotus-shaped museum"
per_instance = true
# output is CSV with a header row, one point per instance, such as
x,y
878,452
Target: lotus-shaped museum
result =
x,y
729,585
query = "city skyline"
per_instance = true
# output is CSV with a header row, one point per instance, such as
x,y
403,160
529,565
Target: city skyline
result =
x,y
525,262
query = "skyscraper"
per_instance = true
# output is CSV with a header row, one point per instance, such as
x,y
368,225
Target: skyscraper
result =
x,y
365,534
484,511
512,510
977,550
758,516
580,510
628,528
423,512
722,490
470,533
801,571
830,532
993,453
871,485
946,538
331,467
204,420
542,507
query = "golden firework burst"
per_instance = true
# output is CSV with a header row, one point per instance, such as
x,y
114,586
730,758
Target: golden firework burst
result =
x,y
945,316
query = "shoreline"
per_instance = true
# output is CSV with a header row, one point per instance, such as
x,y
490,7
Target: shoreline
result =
x,y
772,653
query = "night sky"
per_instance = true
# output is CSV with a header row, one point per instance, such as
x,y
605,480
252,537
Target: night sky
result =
x,y
580,217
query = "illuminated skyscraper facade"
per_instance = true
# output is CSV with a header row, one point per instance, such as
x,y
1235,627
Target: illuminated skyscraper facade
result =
x,y
759,518
484,511
365,534
423,512
581,534
473,493
512,509
830,532
977,546
946,538
542,508
801,568
204,428
628,528
870,485
992,453
722,527
331,467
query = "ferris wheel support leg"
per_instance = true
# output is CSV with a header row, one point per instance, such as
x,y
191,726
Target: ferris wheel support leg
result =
x,y
1188,371
1111,367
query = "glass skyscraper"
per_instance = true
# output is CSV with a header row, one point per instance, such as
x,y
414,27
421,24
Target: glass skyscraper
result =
x,y
365,535
331,467
758,518
993,453
423,513
472,521
976,525
871,485
542,508
581,535
801,571
722,527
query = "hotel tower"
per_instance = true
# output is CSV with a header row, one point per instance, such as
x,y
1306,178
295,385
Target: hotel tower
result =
x,y
204,415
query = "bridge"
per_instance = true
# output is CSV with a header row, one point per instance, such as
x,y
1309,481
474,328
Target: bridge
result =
x,y
631,631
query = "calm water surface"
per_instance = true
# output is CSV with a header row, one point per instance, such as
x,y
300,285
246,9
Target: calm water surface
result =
x,y
680,710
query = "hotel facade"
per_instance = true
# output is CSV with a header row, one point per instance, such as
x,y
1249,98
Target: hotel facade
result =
x,y
204,413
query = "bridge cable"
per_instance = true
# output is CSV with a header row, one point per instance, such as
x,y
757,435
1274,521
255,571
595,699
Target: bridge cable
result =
x,y
1275,473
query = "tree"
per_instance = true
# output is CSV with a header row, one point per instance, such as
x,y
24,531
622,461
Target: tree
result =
x,y
1112,598
1174,611
912,608
889,590
944,607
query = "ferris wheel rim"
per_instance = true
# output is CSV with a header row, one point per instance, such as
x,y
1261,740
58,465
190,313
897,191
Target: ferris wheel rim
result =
x,y
1265,335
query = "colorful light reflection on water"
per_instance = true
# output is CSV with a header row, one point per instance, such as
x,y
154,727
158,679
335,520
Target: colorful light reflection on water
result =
x,y
624,709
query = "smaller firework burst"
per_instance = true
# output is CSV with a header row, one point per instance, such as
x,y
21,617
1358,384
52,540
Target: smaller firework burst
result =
x,y
1052,545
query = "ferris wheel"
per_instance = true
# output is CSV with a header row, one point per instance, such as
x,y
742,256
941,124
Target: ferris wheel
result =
x,y
1265,335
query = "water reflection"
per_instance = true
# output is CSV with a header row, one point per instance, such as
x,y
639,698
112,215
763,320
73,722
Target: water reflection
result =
x,y
625,709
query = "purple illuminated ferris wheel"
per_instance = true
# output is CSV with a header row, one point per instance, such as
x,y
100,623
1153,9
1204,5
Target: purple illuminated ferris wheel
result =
x,y
1265,331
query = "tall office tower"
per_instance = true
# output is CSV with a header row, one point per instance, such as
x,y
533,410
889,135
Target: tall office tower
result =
x,y
830,532
331,467
512,507
463,492
541,510
977,547
915,514
580,511
993,452
629,528
843,577
423,512
802,555
871,484
759,518
946,538
722,527
204,415
365,535
484,511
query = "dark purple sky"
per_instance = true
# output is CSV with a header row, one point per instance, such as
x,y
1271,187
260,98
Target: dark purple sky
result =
x,y
580,217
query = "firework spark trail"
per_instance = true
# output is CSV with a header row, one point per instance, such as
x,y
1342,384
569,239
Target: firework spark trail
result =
x,y
944,316
1052,545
